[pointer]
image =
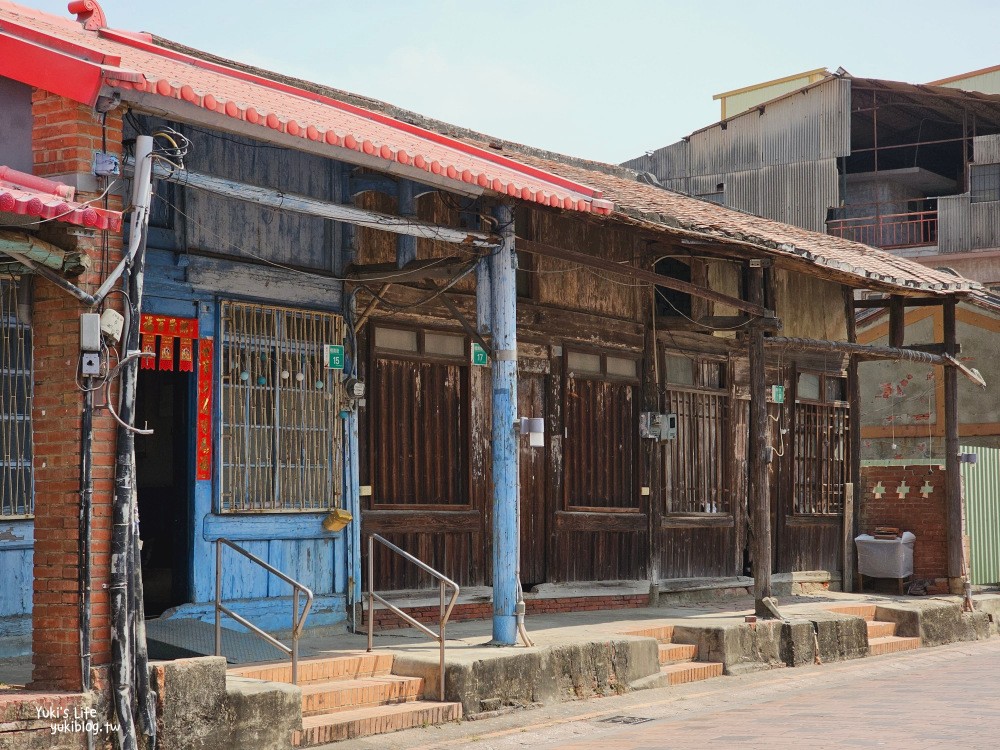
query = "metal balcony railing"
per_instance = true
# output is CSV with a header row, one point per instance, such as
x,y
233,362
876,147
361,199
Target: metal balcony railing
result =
x,y
895,230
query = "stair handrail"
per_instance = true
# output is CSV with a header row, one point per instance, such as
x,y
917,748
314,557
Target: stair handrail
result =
x,y
298,621
445,612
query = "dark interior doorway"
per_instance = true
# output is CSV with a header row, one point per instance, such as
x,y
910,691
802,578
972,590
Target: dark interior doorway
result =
x,y
163,402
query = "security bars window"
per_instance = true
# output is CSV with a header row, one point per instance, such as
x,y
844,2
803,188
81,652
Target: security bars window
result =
x,y
16,496
696,472
820,444
281,426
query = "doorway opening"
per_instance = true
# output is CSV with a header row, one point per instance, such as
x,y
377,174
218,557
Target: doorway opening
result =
x,y
163,404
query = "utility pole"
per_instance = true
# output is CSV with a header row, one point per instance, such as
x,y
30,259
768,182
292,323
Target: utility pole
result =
x,y
506,535
759,450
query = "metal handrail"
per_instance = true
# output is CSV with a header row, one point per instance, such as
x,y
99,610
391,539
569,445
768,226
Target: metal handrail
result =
x,y
443,581
298,622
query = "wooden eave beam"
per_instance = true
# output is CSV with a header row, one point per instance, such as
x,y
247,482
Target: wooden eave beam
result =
x,y
641,274
733,322
278,200
863,351
860,304
723,252
417,270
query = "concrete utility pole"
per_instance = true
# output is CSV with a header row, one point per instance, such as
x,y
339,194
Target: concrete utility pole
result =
x,y
953,475
506,535
759,450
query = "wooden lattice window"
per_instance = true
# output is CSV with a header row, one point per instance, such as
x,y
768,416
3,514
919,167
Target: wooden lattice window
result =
x,y
281,427
16,496
419,426
599,454
696,465
820,446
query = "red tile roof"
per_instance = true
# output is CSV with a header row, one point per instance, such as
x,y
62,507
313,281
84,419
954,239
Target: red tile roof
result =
x,y
164,70
76,58
27,195
665,210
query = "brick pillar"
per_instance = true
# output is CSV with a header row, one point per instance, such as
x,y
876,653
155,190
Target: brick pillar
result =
x,y
64,137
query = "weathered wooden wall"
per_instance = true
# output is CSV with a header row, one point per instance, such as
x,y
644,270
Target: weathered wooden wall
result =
x,y
595,502
203,249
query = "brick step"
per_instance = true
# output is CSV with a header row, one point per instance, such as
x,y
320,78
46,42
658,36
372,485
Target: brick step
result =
x,y
858,610
346,695
672,653
362,722
662,633
347,667
891,644
880,629
678,674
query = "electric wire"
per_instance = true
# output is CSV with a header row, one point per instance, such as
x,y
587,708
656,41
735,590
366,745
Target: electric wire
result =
x,y
301,271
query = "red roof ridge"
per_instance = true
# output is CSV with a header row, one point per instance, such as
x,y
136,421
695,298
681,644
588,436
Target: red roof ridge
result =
x,y
26,181
27,195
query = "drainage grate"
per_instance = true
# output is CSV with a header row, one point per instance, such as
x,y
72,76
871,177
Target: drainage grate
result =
x,y
629,720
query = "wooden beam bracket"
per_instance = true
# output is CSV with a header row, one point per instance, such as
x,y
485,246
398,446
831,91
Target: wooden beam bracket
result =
x,y
464,322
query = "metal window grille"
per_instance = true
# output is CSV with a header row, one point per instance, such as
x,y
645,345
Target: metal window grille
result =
x,y
16,495
984,182
820,458
281,426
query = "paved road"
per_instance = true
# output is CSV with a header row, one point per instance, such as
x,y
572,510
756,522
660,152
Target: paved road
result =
x,y
946,697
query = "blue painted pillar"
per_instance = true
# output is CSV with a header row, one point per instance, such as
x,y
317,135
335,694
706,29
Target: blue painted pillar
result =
x,y
352,503
406,246
506,535
484,297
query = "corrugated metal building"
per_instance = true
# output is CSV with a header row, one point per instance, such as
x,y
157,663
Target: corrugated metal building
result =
x,y
910,168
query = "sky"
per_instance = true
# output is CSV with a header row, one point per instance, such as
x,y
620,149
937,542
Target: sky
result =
x,y
606,80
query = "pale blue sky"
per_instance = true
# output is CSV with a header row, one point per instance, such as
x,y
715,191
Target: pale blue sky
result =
x,y
603,80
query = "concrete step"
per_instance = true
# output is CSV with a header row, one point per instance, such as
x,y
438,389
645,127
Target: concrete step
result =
x,y
23,728
880,629
858,610
891,644
678,674
345,695
346,667
672,653
362,722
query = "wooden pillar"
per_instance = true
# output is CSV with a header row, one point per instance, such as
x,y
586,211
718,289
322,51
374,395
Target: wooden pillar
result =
x,y
506,535
852,511
953,486
760,491
897,321
406,245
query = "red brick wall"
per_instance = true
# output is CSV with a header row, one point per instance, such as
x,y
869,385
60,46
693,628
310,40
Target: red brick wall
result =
x,y
923,516
387,620
65,136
